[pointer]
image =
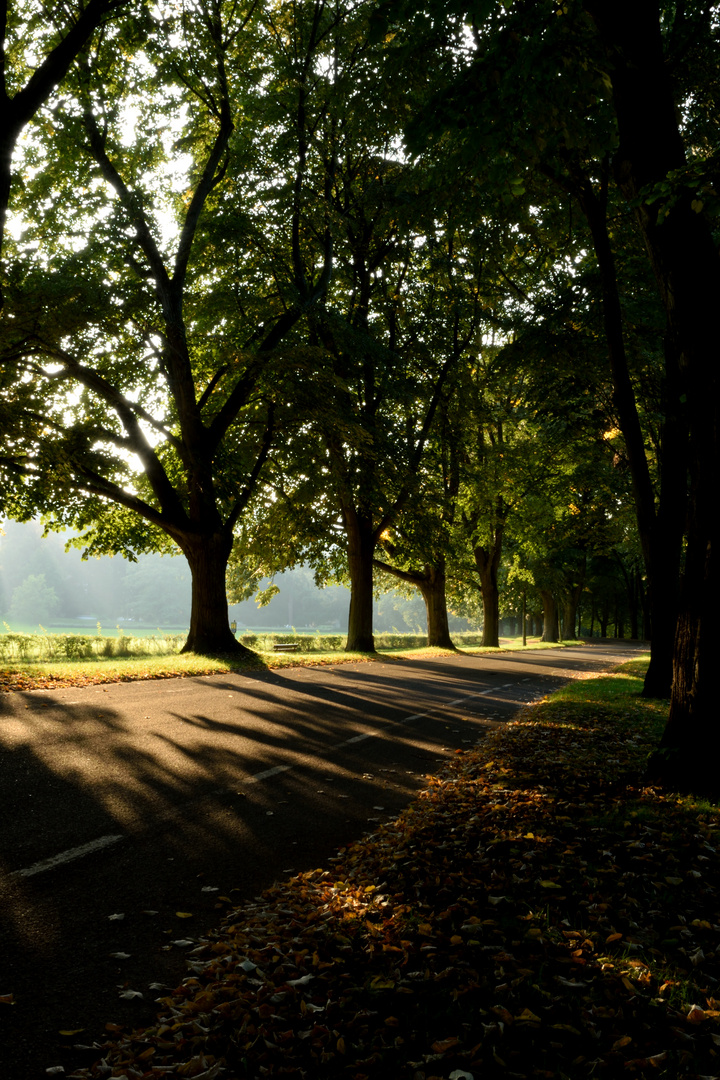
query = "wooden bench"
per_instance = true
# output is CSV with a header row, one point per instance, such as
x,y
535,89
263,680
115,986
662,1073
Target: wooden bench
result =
x,y
288,646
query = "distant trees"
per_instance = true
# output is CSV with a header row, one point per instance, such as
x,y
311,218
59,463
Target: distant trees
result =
x,y
33,600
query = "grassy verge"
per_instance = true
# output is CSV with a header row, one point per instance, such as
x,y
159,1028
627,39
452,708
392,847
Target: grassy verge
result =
x,y
537,912
48,674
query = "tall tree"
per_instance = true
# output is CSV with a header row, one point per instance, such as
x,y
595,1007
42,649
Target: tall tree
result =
x,y
149,362
654,171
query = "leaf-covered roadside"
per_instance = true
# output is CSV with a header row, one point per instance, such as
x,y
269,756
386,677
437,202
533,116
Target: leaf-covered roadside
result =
x,y
536,913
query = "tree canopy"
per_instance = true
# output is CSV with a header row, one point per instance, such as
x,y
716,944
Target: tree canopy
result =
x,y
409,291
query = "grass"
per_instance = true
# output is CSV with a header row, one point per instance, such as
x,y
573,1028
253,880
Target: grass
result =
x,y
29,674
537,912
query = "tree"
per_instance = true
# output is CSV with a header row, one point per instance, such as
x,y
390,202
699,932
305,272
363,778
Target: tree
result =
x,y
529,99
654,172
156,343
33,600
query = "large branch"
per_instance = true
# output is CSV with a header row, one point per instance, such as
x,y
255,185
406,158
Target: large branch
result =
x,y
130,203
249,488
91,483
404,575
23,106
207,182
125,410
69,372
404,494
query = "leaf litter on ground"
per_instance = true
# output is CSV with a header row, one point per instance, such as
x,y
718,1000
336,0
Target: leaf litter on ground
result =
x,y
537,912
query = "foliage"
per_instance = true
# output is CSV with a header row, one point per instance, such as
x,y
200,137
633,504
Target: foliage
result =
x,y
33,600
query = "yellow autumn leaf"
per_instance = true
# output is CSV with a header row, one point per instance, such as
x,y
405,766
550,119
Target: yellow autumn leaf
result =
x,y
612,937
619,1043
184,914
528,1017
71,1031
550,885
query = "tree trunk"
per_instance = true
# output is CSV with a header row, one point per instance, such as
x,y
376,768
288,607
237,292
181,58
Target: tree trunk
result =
x,y
210,632
361,548
550,617
660,530
685,261
487,561
432,587
571,603
431,583
604,616
687,757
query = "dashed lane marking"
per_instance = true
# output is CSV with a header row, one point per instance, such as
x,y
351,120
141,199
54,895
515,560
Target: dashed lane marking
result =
x,y
267,773
106,841
67,856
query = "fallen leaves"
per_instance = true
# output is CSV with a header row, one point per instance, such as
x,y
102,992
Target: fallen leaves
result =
x,y
533,914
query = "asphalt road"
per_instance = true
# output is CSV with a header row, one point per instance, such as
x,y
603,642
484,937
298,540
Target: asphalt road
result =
x,y
122,805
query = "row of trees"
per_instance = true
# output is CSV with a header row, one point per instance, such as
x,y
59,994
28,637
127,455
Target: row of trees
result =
x,y
368,286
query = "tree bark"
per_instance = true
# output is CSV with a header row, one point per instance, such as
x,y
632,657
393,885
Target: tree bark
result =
x,y
660,529
687,270
431,583
361,548
210,632
487,562
432,588
550,617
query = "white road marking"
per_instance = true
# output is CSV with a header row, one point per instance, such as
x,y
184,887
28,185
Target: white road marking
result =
x,y
267,773
421,715
67,856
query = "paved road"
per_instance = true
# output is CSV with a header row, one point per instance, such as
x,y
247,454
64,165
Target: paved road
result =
x,y
151,798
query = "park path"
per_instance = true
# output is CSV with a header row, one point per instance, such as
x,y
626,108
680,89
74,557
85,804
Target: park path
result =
x,y
152,800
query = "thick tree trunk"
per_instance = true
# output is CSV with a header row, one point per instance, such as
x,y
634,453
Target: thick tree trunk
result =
x,y
431,583
550,617
487,562
432,587
210,632
685,261
688,754
491,614
660,530
361,548
571,602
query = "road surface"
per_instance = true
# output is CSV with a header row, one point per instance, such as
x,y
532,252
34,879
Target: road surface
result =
x,y
146,799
